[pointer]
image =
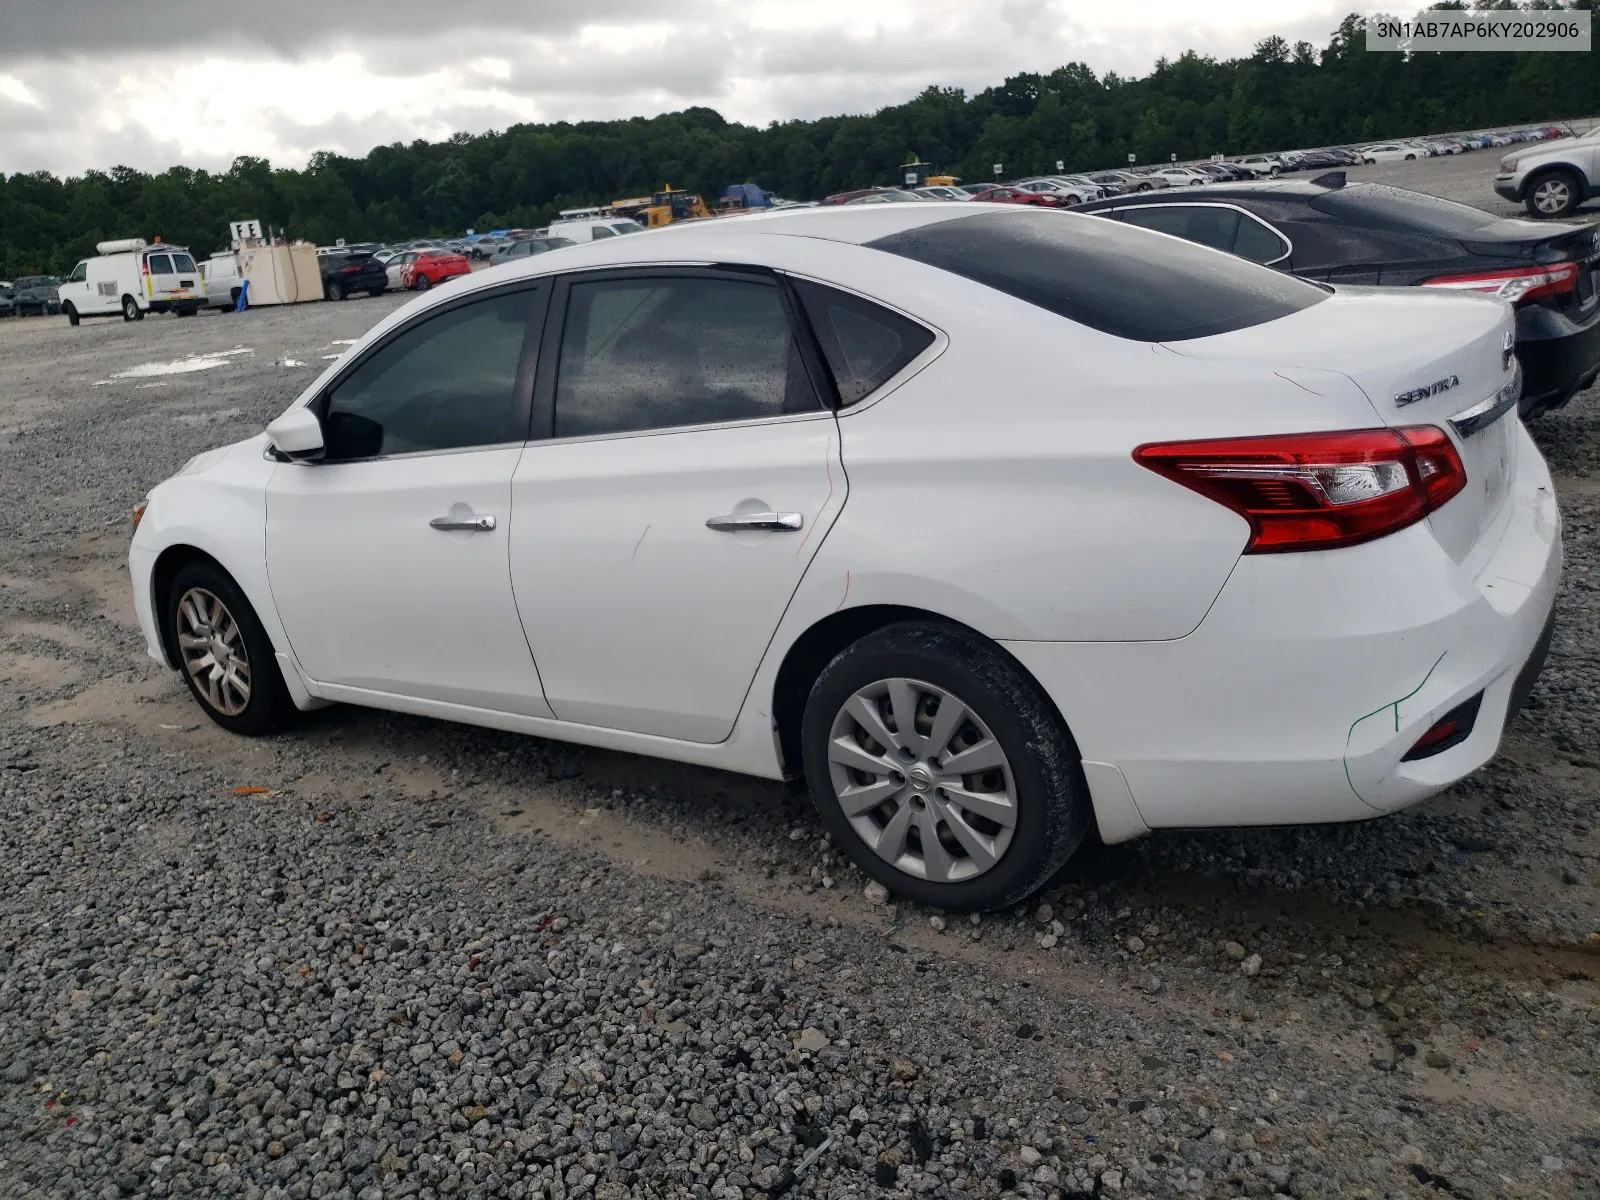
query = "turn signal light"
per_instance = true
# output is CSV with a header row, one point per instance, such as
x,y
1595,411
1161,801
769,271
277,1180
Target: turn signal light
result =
x,y
1316,491
1515,283
138,514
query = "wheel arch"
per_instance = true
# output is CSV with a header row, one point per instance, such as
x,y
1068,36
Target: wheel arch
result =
x,y
1559,167
164,570
814,649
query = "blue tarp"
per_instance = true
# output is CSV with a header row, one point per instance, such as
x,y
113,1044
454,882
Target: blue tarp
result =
x,y
750,193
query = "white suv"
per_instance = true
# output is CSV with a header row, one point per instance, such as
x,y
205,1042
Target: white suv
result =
x,y
1551,179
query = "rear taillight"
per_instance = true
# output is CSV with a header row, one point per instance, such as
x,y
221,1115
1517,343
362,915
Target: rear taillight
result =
x,y
1514,283
350,270
1315,491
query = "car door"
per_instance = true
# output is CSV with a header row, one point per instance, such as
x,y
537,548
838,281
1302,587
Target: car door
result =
x,y
388,558
689,472
159,275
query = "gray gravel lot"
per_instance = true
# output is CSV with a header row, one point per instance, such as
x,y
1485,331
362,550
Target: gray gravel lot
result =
x,y
417,959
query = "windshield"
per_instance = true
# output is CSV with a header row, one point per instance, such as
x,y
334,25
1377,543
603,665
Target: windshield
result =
x,y
1367,203
1112,277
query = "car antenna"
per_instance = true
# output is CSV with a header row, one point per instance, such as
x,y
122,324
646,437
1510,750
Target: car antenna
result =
x,y
1333,179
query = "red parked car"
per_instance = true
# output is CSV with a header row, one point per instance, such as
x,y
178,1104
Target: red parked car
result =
x,y
432,267
1009,195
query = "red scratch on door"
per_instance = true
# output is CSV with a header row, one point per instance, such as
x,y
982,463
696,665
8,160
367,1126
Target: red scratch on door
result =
x,y
1297,384
827,462
846,595
639,543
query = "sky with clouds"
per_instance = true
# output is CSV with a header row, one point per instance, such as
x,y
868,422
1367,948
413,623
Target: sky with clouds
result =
x,y
152,83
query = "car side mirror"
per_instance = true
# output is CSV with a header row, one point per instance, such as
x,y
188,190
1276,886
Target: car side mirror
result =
x,y
297,435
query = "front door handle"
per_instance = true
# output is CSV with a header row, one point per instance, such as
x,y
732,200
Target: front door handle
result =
x,y
776,522
471,524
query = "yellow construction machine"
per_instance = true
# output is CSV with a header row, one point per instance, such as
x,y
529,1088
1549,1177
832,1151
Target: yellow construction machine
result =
x,y
663,208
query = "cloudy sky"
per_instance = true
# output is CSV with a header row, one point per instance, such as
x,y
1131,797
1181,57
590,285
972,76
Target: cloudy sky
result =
x,y
150,83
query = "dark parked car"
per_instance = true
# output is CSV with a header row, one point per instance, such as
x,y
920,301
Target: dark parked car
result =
x,y
1318,160
36,295
525,247
1365,233
8,302
346,273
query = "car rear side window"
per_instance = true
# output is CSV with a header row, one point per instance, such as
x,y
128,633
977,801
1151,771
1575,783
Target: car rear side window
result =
x,y
663,351
864,343
1258,241
448,382
1377,203
1209,224
1105,275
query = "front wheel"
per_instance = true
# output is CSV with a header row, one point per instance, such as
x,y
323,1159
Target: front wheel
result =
x,y
72,314
225,655
941,769
1556,194
1411,158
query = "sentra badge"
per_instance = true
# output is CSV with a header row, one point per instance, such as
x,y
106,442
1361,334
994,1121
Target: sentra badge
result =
x,y
1422,393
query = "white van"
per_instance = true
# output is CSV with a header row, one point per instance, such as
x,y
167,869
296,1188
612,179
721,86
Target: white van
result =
x,y
223,280
588,229
132,277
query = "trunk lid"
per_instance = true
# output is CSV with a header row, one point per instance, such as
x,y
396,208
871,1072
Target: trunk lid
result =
x,y
1421,358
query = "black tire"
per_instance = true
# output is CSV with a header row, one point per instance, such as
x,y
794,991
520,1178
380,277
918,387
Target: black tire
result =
x,y
181,311
421,283
1411,158
1143,187
335,290
269,703
131,310
375,292
1053,813
1551,195
72,314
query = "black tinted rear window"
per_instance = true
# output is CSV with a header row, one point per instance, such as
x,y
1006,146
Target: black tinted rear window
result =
x,y
1108,276
1377,203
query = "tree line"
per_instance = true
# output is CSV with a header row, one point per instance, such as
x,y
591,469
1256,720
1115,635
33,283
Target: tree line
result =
x,y
1279,97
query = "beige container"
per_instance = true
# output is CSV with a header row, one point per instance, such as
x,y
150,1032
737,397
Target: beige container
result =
x,y
281,274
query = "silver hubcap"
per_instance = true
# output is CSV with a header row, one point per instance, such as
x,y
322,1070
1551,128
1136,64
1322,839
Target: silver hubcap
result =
x,y
213,651
922,780
1551,196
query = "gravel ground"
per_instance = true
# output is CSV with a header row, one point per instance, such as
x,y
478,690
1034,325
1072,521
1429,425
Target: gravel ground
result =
x,y
379,956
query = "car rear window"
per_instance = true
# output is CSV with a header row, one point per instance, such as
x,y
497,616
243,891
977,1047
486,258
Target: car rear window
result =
x,y
1106,275
1376,202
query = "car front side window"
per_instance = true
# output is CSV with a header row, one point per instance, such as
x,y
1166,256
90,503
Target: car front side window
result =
x,y
79,273
452,381
664,351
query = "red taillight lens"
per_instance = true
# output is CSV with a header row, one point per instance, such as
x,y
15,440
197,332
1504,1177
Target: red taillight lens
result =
x,y
350,270
1516,283
1315,491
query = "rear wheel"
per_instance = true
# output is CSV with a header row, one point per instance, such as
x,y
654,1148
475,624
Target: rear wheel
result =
x,y
1554,194
72,314
335,290
423,283
131,310
224,653
941,769
375,292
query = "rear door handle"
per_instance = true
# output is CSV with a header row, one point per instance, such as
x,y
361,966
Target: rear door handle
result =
x,y
471,524
776,522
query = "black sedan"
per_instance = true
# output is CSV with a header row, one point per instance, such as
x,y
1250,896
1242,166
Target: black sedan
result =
x,y
1365,233
37,294
522,248
343,274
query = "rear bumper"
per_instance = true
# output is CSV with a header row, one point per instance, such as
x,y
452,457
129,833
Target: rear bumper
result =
x,y
1312,675
1559,356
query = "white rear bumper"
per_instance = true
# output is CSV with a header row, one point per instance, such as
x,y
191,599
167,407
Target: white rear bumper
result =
x,y
1313,674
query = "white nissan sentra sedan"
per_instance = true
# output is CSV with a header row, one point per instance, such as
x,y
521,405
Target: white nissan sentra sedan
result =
x,y
998,525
